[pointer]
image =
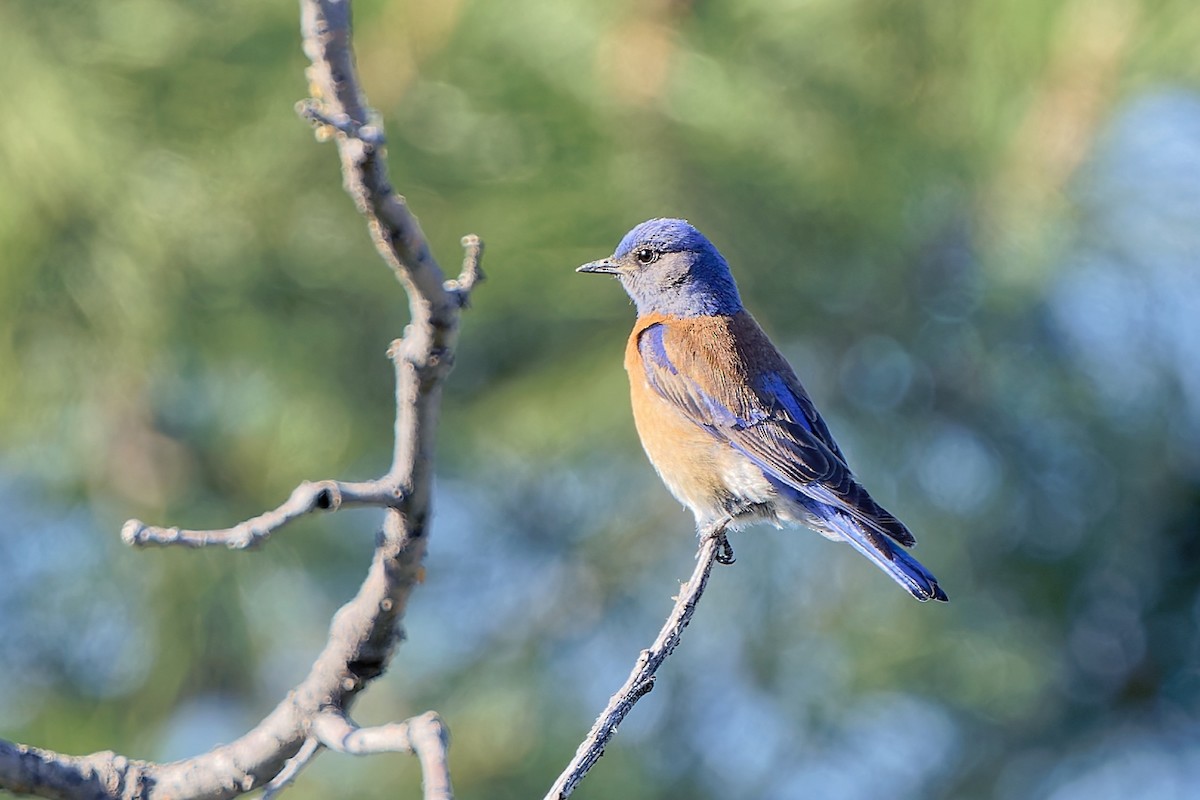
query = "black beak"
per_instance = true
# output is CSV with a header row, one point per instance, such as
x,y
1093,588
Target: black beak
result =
x,y
604,267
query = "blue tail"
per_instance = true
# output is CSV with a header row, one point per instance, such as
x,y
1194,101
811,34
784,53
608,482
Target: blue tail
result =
x,y
903,568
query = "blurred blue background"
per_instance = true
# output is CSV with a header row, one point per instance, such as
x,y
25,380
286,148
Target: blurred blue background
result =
x,y
973,227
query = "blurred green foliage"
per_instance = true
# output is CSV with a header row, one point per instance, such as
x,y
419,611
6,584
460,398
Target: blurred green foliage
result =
x,y
973,227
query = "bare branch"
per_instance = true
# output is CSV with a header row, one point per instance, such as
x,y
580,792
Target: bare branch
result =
x,y
431,741
305,499
714,546
311,110
426,736
462,286
338,103
364,632
307,752
32,770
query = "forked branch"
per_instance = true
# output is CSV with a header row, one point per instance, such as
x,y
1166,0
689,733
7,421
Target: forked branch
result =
x,y
365,631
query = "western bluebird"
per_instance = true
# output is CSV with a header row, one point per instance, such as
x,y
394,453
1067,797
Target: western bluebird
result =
x,y
723,417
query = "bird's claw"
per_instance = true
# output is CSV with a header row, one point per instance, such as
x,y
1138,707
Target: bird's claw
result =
x,y
724,549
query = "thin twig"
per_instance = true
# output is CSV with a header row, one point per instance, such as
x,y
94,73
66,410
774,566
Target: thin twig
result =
x,y
713,545
431,742
311,110
472,273
426,736
292,768
305,499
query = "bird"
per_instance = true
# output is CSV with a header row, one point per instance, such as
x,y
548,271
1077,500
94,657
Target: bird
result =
x,y
722,416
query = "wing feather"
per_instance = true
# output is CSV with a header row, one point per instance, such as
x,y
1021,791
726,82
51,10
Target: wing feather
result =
x,y
764,412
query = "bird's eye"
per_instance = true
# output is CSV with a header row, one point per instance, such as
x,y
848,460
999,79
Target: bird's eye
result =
x,y
646,256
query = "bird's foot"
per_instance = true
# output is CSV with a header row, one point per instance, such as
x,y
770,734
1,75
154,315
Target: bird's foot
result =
x,y
724,550
718,534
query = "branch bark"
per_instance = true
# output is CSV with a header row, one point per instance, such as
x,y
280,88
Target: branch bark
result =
x,y
425,736
714,548
365,631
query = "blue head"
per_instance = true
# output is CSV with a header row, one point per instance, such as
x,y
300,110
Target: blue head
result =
x,y
668,267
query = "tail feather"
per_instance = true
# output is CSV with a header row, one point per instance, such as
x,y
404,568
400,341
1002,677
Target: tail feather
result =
x,y
898,564
867,529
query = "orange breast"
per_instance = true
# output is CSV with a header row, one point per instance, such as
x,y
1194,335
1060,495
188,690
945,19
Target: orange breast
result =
x,y
689,460
704,473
